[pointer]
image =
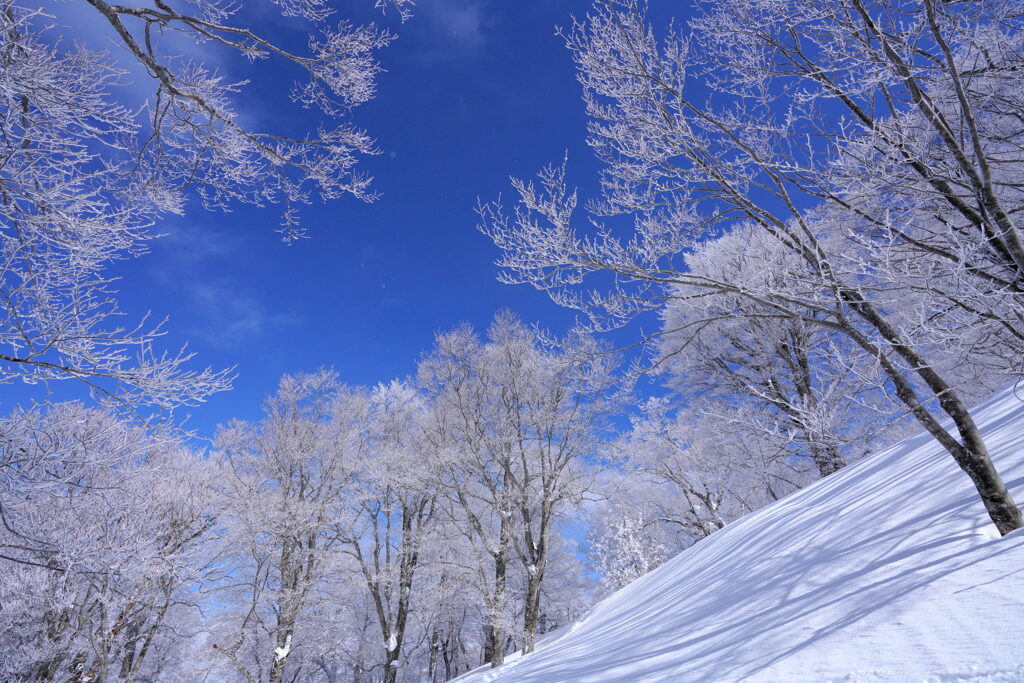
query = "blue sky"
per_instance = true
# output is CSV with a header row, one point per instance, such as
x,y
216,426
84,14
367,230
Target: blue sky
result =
x,y
474,91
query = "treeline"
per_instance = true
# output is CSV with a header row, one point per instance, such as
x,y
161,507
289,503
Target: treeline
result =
x,y
408,531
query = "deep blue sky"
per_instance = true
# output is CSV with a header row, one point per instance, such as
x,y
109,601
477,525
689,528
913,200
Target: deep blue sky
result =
x,y
474,91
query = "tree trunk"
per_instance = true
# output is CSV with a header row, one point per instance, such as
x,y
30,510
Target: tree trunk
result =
x,y
435,651
449,653
276,673
974,459
494,645
391,666
969,451
827,459
531,614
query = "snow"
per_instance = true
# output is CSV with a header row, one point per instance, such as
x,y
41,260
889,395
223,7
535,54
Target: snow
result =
x,y
886,571
282,652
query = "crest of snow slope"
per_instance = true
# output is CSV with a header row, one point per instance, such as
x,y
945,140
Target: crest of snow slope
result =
x,y
886,571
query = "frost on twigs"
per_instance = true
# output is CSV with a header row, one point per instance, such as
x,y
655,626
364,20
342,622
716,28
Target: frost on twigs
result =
x,y
858,159
85,176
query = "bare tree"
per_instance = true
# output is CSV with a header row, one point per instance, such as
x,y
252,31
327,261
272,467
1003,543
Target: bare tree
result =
x,y
107,530
452,624
394,501
754,157
465,415
85,174
284,483
525,419
621,547
798,383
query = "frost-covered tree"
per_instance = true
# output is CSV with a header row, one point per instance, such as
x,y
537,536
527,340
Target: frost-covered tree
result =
x,y
107,530
523,418
393,499
96,147
622,549
682,475
704,471
925,118
781,379
449,616
283,487
830,130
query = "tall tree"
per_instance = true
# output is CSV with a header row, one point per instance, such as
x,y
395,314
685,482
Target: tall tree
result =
x,y
284,482
106,530
775,157
526,418
394,507
797,383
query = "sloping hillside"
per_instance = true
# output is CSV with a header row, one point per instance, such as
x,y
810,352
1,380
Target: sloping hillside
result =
x,y
887,571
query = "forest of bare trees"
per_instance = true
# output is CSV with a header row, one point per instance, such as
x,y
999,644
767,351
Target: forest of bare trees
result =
x,y
815,204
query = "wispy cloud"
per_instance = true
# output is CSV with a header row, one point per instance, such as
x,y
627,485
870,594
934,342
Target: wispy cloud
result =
x,y
226,314
458,26
231,319
190,243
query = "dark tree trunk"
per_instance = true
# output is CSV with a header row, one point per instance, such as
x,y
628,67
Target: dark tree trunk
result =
x,y
494,646
282,642
827,459
969,450
531,616
391,667
435,652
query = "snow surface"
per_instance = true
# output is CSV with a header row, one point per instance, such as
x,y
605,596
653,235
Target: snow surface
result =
x,y
886,571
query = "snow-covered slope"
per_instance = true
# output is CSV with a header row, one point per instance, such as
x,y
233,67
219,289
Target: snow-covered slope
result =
x,y
887,571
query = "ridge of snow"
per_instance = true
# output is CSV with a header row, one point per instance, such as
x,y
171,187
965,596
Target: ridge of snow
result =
x,y
888,570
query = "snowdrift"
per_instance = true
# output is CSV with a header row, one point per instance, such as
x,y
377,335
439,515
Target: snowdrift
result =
x,y
887,571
